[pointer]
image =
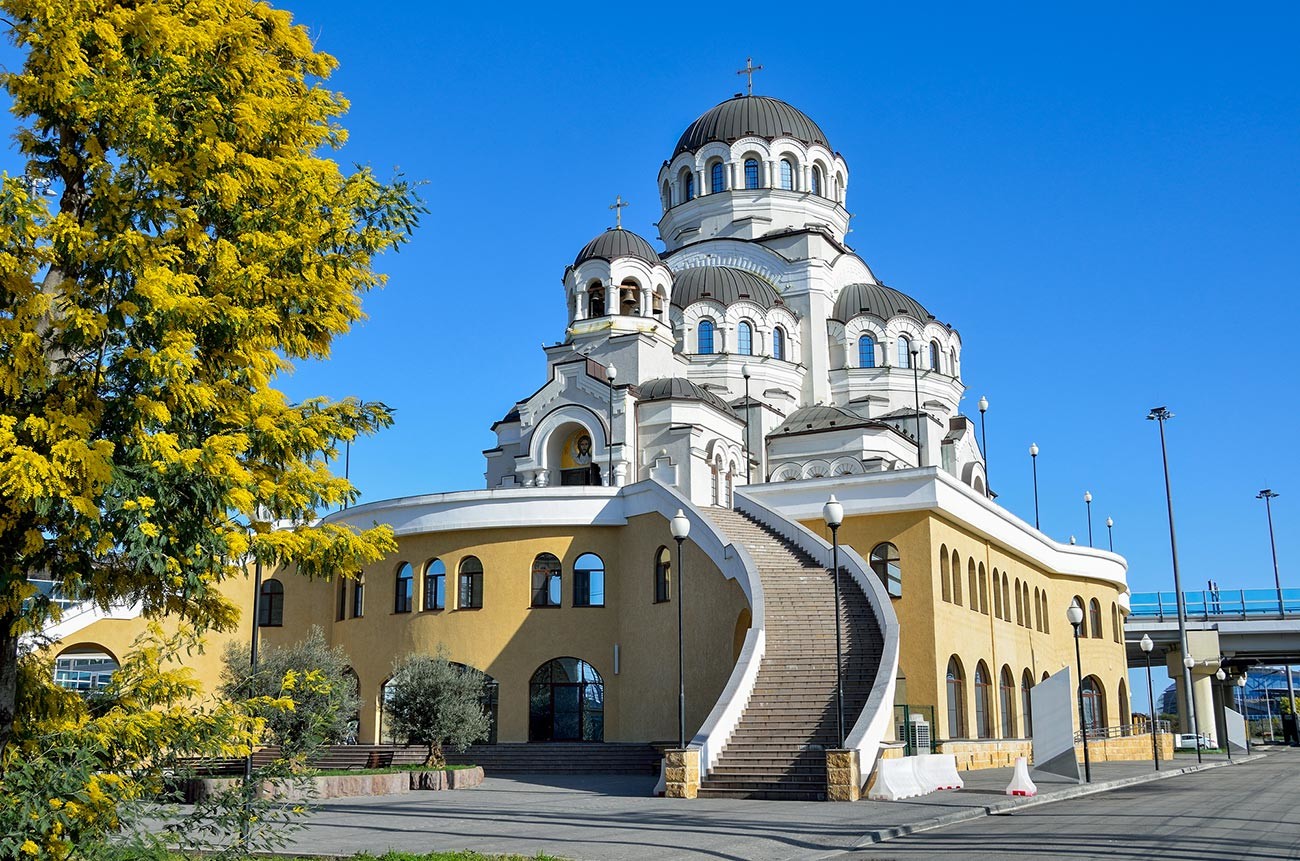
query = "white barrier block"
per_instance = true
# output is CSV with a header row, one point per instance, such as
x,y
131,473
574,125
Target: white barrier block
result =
x,y
1020,783
662,786
938,771
895,779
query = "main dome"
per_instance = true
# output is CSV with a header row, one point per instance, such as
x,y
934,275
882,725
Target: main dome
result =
x,y
617,242
750,116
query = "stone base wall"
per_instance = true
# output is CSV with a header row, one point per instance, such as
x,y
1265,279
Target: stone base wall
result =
x,y
1133,748
682,772
1001,753
843,775
341,785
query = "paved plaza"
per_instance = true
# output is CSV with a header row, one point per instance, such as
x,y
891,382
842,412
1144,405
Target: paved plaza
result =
x,y
1247,810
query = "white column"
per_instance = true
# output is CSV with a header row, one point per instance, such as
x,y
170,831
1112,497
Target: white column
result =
x,y
805,182
728,170
768,172
582,304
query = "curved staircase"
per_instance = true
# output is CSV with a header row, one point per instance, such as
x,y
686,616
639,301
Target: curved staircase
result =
x,y
777,750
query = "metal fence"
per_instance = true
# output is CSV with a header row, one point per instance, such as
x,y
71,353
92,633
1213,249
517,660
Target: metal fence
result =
x,y
1123,731
1210,604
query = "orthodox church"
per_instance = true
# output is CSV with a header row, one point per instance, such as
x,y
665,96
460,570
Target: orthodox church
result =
x,y
650,562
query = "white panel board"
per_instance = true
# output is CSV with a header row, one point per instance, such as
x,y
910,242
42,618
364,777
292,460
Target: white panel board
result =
x,y
1052,701
1236,728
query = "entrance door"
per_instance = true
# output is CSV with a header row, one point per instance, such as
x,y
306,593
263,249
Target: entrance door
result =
x,y
566,702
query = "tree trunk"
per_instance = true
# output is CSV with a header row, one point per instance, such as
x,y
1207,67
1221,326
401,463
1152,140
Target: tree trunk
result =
x,y
8,677
435,759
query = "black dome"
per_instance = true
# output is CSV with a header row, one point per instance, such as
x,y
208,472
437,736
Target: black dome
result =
x,y
617,242
884,302
745,116
722,284
680,389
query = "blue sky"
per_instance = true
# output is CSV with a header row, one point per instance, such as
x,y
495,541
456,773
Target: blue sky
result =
x,y
1103,202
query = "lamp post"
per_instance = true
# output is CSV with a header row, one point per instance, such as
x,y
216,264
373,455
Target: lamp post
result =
x,y
1220,675
1147,646
1188,663
1160,415
611,374
744,371
984,443
915,349
1110,533
833,514
681,527
246,822
1268,495
1033,458
1087,501
1241,686
1075,615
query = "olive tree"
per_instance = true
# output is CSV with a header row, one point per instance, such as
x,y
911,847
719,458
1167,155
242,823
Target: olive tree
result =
x,y
431,701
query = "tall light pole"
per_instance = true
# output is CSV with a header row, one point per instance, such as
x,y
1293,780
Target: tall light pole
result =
x,y
915,349
744,371
246,822
1033,458
1268,496
984,444
1221,676
1075,615
1110,533
1160,415
833,514
611,374
1087,500
1147,646
681,527
1241,685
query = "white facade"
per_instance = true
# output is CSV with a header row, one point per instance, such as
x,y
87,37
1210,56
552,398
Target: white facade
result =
x,y
754,276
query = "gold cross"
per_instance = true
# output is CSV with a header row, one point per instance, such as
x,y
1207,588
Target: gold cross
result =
x,y
618,210
749,70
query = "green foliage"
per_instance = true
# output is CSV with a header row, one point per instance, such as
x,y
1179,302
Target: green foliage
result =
x,y
434,702
1286,706
196,240
323,692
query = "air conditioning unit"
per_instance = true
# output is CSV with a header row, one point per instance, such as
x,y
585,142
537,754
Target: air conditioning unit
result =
x,y
916,733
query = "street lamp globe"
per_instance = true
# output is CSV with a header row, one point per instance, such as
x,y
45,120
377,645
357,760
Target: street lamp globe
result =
x,y
833,512
681,526
744,370
1189,662
1220,674
1241,680
1074,614
1109,523
611,373
1033,449
984,403
1146,643
1087,496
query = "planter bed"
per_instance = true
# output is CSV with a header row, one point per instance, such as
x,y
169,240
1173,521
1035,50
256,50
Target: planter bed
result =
x,y
347,785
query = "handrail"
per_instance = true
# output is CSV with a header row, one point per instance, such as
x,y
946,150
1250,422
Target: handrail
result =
x,y
875,723
1127,730
736,564
1210,604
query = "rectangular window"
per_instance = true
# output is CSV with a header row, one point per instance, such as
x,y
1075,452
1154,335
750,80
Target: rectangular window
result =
x,y
471,591
588,588
358,598
435,592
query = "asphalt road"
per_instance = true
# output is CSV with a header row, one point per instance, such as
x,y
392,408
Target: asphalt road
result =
x,y
1251,812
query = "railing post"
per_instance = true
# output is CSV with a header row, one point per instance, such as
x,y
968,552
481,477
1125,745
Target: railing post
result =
x,y
1243,603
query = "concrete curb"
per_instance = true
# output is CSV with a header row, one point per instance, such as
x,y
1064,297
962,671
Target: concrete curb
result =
x,y
1010,805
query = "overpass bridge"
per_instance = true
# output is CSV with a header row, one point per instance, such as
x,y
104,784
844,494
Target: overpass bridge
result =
x,y
1232,629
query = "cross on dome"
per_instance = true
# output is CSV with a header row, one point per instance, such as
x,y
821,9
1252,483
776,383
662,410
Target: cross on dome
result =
x,y
617,206
749,71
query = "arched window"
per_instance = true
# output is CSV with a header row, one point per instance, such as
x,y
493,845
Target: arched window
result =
x,y
974,584
866,352
404,591
270,609
885,562
1038,610
343,600
716,178
85,668
470,590
359,596
945,585
952,361
704,338
435,585
663,573
1020,610
1006,597
787,174
1024,602
1094,705
1047,620
1026,684
956,684
1094,618
489,700
566,702
595,300
751,173
817,180
1007,700
904,352
997,595
778,343
688,185
839,188
984,591
667,194
983,702
1083,623
546,581
589,581
956,578
1114,622
745,338
1125,706
934,356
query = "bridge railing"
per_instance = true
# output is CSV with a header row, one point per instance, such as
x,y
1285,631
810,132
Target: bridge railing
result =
x,y
1208,604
